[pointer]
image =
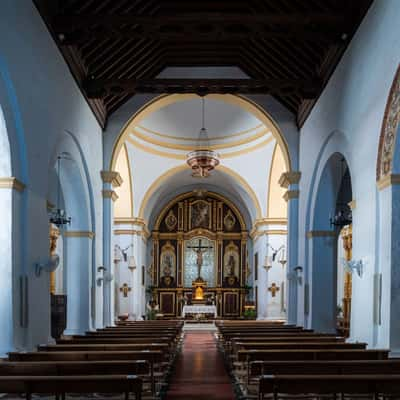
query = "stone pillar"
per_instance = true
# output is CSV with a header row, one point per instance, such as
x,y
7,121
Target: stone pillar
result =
x,y
110,179
387,314
8,186
78,277
132,234
290,181
265,233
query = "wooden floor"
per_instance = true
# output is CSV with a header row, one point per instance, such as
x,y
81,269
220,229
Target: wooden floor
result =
x,y
200,372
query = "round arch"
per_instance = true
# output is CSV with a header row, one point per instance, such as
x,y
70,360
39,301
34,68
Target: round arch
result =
x,y
240,101
173,171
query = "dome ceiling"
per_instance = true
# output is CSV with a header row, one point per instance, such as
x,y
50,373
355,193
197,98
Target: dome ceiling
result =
x,y
177,125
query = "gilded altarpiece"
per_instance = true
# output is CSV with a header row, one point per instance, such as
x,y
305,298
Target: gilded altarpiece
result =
x,y
200,235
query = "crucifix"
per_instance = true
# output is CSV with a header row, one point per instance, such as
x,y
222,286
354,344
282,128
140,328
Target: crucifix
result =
x,y
199,250
125,289
273,289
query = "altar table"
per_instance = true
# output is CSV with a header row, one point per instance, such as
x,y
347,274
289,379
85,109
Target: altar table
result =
x,y
199,309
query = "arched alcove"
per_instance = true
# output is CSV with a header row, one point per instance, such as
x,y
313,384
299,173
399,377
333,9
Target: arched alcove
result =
x,y
333,192
77,238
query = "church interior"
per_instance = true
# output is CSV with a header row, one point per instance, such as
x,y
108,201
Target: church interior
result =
x,y
199,199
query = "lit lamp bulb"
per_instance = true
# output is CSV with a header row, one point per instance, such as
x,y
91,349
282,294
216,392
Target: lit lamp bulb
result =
x,y
132,263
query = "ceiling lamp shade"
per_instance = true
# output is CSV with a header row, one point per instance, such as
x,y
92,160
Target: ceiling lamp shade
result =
x,y
203,159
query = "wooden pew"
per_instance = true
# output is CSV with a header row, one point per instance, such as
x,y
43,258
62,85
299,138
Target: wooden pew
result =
x,y
60,385
153,357
315,385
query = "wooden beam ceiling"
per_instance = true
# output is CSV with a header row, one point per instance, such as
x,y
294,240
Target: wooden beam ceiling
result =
x,y
287,48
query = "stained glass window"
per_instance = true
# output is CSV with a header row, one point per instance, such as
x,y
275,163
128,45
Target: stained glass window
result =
x,y
207,268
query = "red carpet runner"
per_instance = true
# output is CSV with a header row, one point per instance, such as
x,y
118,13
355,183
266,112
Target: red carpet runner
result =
x,y
200,372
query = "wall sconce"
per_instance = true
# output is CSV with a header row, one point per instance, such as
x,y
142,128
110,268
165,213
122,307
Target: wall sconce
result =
x,y
124,252
352,266
107,276
50,266
299,274
132,263
267,263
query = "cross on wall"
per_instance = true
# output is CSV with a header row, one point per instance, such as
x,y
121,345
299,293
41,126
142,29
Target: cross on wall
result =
x,y
125,289
273,289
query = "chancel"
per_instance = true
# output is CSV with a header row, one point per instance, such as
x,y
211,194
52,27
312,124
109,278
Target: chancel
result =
x,y
199,199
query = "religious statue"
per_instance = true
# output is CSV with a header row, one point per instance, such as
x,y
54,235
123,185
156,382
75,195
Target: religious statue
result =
x,y
167,266
231,267
199,250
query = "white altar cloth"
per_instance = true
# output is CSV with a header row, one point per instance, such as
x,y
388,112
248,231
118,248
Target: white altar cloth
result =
x,y
199,309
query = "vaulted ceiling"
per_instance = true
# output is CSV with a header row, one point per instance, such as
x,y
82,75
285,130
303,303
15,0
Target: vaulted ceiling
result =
x,y
286,48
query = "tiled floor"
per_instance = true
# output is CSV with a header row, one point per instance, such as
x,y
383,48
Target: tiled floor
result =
x,y
200,372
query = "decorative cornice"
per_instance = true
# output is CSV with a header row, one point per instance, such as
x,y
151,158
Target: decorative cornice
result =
x,y
144,233
352,204
270,221
110,194
388,180
291,194
79,234
313,234
12,183
289,178
256,234
130,221
112,177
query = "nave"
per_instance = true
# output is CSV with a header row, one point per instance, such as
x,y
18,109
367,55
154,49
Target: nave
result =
x,y
238,360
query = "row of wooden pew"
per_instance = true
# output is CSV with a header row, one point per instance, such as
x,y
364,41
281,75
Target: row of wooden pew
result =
x,y
275,360
130,358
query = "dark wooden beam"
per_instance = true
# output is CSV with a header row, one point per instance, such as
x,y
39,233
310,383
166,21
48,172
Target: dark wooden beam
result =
x,y
103,87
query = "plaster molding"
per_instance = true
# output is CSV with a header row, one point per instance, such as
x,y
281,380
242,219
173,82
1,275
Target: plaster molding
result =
x,y
291,194
270,221
313,234
130,221
352,204
289,178
112,177
388,180
12,183
79,234
267,232
390,124
132,232
110,194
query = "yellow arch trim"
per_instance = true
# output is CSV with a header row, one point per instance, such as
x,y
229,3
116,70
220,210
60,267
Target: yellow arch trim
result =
x,y
130,180
164,177
164,100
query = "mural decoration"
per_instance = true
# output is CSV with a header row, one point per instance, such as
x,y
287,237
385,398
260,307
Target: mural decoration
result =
x,y
390,125
231,265
167,265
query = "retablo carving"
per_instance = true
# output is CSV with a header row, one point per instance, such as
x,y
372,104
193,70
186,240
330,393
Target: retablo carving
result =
x,y
200,214
229,221
171,221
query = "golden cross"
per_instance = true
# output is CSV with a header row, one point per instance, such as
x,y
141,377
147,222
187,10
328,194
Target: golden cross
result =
x,y
273,289
125,289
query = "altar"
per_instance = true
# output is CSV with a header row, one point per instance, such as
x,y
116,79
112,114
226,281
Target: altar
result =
x,y
199,309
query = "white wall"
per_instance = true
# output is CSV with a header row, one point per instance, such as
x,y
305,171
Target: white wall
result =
x,y
43,101
347,119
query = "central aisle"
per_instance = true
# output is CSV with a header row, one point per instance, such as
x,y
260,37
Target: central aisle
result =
x,y
200,372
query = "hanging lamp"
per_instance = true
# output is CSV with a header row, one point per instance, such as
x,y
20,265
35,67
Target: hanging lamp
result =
x,y
203,159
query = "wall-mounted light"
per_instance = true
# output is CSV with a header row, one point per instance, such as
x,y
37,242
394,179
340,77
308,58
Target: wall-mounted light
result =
x,y
107,276
299,274
124,252
50,266
132,263
352,266
267,263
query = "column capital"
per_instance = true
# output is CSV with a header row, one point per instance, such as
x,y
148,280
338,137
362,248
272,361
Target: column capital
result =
x,y
79,234
112,177
12,183
291,194
388,180
110,194
313,234
289,178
